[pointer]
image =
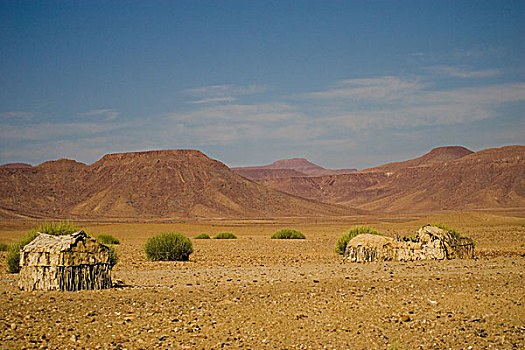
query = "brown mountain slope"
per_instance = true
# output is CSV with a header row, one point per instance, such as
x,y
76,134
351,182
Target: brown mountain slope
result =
x,y
437,155
261,174
178,183
494,178
15,166
277,169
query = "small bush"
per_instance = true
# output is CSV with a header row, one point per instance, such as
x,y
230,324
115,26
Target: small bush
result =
x,y
168,247
203,236
288,233
225,235
340,246
113,256
107,239
3,247
453,233
51,228
57,228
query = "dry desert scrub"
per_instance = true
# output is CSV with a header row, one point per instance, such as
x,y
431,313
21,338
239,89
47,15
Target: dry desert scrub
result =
x,y
288,233
107,239
342,242
51,228
168,247
225,235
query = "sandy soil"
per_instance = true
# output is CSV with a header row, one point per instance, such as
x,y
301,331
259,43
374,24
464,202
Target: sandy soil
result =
x,y
256,293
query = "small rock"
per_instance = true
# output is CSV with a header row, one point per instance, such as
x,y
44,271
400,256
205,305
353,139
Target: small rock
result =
x,y
405,318
481,333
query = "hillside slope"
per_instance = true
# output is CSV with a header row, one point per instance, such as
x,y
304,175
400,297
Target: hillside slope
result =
x,y
493,178
437,155
177,183
287,168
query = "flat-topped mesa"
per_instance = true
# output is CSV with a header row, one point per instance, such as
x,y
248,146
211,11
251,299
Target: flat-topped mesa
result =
x,y
61,163
16,166
183,153
188,156
430,243
156,153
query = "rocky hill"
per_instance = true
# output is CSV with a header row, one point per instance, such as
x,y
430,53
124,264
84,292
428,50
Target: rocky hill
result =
x,y
437,155
287,168
449,178
15,166
156,184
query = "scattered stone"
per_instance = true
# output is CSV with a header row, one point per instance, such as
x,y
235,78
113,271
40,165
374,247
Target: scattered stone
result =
x,y
405,318
481,333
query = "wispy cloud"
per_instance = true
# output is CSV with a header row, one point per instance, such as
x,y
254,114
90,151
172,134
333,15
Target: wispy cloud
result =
x,y
396,102
109,114
384,88
16,115
222,93
459,72
213,100
265,112
55,131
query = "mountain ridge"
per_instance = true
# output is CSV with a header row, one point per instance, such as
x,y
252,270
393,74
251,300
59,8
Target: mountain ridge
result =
x,y
156,184
492,178
287,167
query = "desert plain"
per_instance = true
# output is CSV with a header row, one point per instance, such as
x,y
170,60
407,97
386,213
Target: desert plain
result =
x,y
257,293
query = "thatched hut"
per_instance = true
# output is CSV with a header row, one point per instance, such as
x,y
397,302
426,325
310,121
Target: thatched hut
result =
x,y
71,262
430,243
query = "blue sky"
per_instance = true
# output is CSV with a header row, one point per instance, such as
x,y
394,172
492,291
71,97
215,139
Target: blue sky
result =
x,y
342,83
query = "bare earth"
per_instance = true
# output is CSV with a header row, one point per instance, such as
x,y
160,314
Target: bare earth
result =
x,y
256,293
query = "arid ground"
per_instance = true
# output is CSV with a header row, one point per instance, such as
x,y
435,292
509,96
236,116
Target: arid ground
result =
x,y
254,292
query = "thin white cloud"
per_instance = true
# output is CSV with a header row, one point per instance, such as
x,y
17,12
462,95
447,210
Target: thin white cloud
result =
x,y
16,115
51,131
213,100
222,93
428,107
106,113
270,112
459,72
385,88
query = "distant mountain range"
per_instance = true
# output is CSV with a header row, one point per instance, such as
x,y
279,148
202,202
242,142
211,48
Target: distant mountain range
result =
x,y
186,183
156,184
447,178
288,168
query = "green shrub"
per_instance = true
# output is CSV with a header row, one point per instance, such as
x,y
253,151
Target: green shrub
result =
x,y
340,246
107,239
225,235
57,228
51,228
288,233
3,247
113,256
203,236
453,233
168,247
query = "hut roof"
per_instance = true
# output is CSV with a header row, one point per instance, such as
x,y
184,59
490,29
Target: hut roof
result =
x,y
54,244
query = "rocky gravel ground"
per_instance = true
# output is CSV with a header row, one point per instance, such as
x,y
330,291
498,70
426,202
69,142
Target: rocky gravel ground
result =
x,y
257,293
